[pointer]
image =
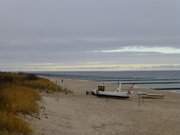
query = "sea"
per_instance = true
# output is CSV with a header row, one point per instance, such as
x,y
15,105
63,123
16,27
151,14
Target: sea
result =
x,y
159,80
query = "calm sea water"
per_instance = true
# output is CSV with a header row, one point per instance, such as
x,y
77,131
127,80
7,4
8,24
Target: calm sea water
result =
x,y
148,79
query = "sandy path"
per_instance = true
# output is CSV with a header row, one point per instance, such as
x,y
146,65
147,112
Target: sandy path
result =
x,y
87,115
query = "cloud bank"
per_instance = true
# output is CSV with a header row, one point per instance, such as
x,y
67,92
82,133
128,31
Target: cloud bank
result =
x,y
143,49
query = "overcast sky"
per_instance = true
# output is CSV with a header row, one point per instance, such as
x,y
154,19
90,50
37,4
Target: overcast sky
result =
x,y
89,34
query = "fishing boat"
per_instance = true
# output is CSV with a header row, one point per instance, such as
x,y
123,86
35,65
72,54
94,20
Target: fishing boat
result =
x,y
115,94
101,92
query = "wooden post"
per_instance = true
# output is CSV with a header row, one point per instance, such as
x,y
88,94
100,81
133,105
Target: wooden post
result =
x,y
62,82
139,100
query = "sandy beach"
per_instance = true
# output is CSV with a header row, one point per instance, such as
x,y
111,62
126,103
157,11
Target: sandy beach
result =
x,y
81,114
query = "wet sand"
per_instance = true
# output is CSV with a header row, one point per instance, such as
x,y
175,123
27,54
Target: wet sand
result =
x,y
79,114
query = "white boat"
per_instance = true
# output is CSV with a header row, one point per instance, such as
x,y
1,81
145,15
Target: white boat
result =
x,y
100,92
115,94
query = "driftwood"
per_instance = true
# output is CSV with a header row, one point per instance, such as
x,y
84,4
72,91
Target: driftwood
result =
x,y
153,96
143,95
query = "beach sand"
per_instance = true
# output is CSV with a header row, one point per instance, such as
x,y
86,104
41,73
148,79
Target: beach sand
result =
x,y
81,114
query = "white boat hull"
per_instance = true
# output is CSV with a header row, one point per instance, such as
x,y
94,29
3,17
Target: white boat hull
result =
x,y
115,94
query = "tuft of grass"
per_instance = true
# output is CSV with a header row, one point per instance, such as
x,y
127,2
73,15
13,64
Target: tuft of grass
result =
x,y
67,91
13,125
19,99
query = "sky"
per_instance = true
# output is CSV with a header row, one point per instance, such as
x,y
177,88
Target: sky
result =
x,y
59,35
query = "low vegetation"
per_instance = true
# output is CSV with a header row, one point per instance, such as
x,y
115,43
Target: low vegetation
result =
x,y
42,84
19,99
19,93
10,124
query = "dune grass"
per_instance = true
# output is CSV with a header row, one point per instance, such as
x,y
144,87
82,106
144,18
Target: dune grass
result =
x,y
15,100
11,124
43,84
19,93
28,80
19,99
